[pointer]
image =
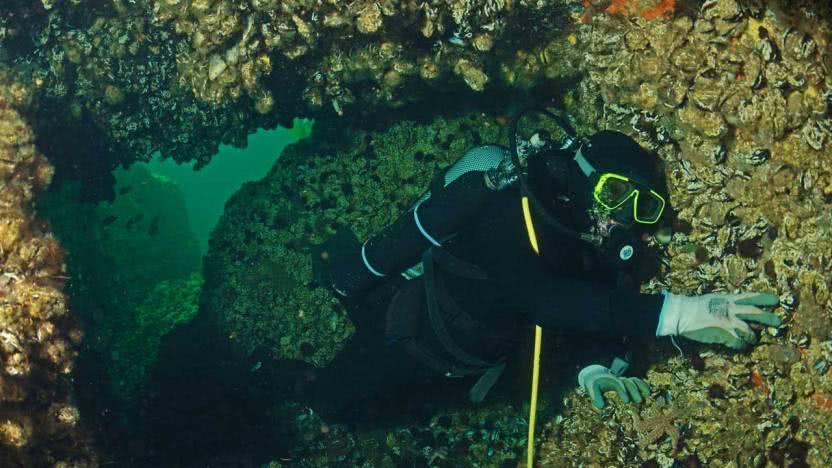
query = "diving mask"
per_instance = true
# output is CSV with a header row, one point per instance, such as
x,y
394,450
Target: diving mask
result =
x,y
612,192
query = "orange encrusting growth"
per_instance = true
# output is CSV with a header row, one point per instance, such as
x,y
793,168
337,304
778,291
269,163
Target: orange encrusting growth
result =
x,y
662,9
617,6
822,401
758,382
587,16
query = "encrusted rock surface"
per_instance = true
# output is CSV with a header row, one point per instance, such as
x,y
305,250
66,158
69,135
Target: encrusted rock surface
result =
x,y
182,76
39,426
112,70
483,436
733,96
748,177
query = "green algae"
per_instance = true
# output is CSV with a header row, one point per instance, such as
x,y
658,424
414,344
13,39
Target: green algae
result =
x,y
136,341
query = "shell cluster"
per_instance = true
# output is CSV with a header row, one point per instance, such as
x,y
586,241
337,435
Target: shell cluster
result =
x,y
232,47
117,80
733,98
183,76
475,436
39,426
751,198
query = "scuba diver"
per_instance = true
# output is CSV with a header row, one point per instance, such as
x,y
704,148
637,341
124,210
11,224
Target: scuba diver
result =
x,y
549,232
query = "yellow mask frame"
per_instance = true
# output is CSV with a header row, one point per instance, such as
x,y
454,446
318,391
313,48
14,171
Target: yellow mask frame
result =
x,y
634,190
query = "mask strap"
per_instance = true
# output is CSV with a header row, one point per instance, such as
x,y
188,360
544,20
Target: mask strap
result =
x,y
583,164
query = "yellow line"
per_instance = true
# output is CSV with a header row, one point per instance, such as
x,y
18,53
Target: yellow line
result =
x,y
538,337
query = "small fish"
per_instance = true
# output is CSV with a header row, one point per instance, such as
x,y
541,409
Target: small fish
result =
x,y
154,226
124,190
256,366
135,219
109,220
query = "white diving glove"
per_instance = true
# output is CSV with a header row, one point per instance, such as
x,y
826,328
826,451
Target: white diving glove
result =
x,y
716,318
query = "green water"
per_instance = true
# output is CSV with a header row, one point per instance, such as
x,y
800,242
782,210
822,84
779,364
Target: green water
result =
x,y
137,259
206,191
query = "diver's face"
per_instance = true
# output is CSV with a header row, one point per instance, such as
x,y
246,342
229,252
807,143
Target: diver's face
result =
x,y
603,221
604,226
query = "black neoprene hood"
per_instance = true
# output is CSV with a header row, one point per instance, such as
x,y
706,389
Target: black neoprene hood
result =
x,y
615,152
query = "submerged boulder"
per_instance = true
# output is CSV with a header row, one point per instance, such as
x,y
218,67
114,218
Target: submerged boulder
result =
x,y
40,425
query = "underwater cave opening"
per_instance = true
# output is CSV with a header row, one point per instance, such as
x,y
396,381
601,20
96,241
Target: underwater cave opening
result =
x,y
135,264
206,190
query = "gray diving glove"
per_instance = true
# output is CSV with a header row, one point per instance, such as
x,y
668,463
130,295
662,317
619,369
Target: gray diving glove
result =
x,y
597,379
717,318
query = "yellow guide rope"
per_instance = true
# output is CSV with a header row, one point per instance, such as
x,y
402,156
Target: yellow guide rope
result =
x,y
538,336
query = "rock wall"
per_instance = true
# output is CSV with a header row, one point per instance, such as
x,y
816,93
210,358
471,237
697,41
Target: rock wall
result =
x,y
182,76
124,257
39,425
734,98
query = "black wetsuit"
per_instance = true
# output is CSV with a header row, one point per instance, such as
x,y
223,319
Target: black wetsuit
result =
x,y
559,290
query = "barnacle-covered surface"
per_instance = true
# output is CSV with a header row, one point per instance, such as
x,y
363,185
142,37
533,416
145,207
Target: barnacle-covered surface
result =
x,y
488,436
111,68
735,410
39,425
733,96
364,52
182,76
316,187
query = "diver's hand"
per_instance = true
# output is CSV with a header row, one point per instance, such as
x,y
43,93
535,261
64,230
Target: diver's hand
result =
x,y
716,318
597,379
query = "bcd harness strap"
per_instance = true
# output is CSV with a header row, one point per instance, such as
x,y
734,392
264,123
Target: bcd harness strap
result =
x,y
441,306
438,322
